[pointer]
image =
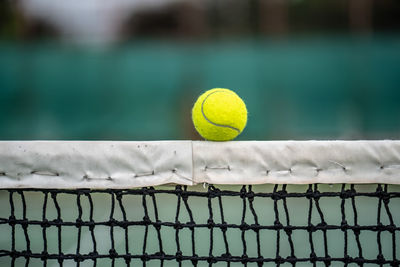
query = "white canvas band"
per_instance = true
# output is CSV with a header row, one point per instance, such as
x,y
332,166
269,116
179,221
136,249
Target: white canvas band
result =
x,y
109,164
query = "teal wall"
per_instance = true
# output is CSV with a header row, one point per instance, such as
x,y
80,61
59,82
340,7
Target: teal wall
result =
x,y
297,88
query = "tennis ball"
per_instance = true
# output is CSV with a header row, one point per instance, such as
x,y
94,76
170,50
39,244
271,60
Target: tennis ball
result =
x,y
219,115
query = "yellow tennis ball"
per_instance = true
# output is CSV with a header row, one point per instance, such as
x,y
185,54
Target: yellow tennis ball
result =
x,y
219,115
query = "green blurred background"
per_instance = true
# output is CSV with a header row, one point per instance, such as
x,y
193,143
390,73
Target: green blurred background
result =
x,y
306,69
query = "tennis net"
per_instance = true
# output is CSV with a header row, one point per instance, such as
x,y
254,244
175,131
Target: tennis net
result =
x,y
188,203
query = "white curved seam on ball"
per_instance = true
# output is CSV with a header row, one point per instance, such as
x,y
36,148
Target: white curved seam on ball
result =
x,y
213,123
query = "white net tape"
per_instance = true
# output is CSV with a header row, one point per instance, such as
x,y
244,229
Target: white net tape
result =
x,y
108,164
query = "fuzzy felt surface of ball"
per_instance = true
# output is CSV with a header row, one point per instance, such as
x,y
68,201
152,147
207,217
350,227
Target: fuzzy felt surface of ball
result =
x,y
219,114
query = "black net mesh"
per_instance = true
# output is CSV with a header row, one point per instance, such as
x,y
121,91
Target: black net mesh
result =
x,y
265,225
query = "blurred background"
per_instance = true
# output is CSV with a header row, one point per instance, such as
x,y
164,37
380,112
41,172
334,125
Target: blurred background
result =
x,y
132,69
